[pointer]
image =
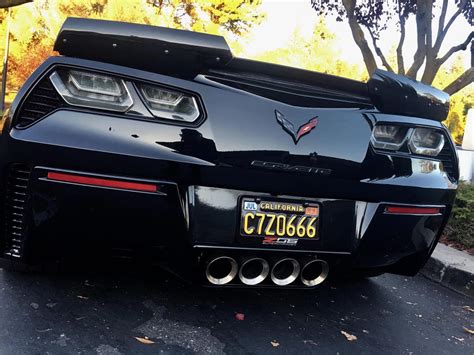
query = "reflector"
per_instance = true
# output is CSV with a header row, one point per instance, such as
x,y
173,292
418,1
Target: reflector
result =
x,y
412,210
93,181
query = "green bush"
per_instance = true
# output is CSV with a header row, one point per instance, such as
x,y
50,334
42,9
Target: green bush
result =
x,y
460,229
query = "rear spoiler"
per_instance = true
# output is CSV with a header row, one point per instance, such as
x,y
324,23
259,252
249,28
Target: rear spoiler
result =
x,y
185,54
392,93
141,46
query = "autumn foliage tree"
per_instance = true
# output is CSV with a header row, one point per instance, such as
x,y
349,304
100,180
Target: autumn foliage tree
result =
x,y
236,16
317,52
372,18
34,26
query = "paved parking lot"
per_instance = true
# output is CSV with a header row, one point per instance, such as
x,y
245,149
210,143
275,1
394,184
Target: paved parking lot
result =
x,y
105,312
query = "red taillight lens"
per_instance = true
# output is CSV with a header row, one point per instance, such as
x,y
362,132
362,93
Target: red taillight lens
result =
x,y
101,182
412,210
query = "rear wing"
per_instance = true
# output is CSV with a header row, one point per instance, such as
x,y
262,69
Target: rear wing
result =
x,y
186,54
392,93
141,46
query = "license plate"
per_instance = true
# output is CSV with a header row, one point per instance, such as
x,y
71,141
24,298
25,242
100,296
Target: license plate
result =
x,y
262,218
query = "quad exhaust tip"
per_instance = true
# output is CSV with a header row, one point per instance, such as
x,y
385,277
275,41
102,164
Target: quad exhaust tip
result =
x,y
221,270
285,271
224,269
314,272
253,271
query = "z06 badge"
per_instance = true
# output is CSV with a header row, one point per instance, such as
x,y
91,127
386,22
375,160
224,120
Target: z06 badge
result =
x,y
291,242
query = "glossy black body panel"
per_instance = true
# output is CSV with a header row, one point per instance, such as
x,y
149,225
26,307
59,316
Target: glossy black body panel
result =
x,y
239,148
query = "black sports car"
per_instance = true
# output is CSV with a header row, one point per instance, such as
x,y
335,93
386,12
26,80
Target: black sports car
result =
x,y
153,143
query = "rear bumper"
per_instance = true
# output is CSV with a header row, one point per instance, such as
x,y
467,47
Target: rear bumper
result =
x,y
185,221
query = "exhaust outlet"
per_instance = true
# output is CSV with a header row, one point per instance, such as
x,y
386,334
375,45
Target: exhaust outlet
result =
x,y
314,272
221,270
285,271
253,271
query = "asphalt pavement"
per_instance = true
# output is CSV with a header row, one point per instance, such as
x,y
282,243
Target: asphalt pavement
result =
x,y
132,312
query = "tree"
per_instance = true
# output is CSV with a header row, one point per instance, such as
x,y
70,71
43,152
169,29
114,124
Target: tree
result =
x,y
11,3
35,26
373,17
317,52
7,4
236,16
459,103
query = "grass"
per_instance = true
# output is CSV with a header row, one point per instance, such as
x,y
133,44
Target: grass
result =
x,y
460,228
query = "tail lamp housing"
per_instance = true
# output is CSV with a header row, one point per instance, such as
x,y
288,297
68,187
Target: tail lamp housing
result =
x,y
418,140
107,92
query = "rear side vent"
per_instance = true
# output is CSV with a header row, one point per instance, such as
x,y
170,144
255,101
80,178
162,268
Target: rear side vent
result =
x,y
448,158
41,101
15,210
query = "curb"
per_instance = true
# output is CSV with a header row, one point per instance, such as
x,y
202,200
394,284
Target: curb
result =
x,y
451,268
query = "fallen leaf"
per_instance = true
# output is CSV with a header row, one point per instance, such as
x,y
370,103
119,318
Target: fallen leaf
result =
x,y
83,297
43,330
467,308
275,343
348,336
240,316
470,331
459,339
145,341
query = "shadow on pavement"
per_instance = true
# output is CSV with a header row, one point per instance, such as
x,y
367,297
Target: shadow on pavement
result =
x,y
102,308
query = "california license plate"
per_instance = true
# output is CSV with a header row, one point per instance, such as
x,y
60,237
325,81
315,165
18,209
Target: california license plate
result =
x,y
265,218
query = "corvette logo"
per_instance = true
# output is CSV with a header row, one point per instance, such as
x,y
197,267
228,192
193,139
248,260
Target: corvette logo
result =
x,y
290,128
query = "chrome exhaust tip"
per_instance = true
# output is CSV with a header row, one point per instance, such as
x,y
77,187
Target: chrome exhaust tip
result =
x,y
253,271
221,270
314,272
285,271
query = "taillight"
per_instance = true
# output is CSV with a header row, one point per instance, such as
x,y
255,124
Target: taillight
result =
x,y
426,141
169,104
107,92
389,136
80,88
420,141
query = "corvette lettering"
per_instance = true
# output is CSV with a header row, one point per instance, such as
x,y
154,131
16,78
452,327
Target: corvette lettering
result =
x,y
291,168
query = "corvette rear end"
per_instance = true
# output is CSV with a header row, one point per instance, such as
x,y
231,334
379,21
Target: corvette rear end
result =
x,y
154,143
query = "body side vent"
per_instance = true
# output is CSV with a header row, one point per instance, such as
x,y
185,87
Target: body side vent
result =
x,y
41,101
15,210
449,160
